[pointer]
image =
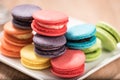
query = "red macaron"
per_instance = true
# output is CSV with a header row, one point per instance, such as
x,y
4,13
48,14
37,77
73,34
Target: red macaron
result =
x,y
49,23
69,65
48,32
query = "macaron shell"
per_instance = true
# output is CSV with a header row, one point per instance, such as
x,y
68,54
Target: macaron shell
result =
x,y
47,31
108,42
81,45
34,65
93,55
24,12
50,17
11,29
69,74
69,60
80,32
111,30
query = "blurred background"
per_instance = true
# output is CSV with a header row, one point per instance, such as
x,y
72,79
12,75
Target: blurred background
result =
x,y
90,11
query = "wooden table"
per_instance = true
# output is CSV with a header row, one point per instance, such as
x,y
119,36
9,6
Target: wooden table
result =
x,y
90,11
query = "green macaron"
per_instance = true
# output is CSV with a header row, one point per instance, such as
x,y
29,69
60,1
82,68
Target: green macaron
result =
x,y
108,35
93,52
93,55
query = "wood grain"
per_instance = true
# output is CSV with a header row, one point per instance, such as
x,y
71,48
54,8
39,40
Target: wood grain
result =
x,y
90,11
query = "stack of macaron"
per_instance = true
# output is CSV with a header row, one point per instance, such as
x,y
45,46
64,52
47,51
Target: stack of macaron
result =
x,y
50,27
18,32
83,37
108,35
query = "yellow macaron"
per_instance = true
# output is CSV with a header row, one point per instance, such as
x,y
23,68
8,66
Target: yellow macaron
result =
x,y
30,60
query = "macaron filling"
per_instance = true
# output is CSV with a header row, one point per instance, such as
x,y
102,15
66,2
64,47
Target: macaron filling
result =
x,y
81,40
51,26
23,36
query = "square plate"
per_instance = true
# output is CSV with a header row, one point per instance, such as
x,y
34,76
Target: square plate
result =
x,y
90,67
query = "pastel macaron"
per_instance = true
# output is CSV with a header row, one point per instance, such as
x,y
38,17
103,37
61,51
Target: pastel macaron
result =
x,y
30,60
22,15
49,23
108,35
93,53
16,36
69,65
10,29
81,36
13,39
9,50
49,46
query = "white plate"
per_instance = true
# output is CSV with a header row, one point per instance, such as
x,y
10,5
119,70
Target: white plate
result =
x,y
90,67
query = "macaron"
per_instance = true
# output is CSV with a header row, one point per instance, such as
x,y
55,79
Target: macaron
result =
x,y
9,53
108,35
69,65
22,15
49,46
11,47
49,23
10,29
93,53
15,40
81,36
30,60
9,50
